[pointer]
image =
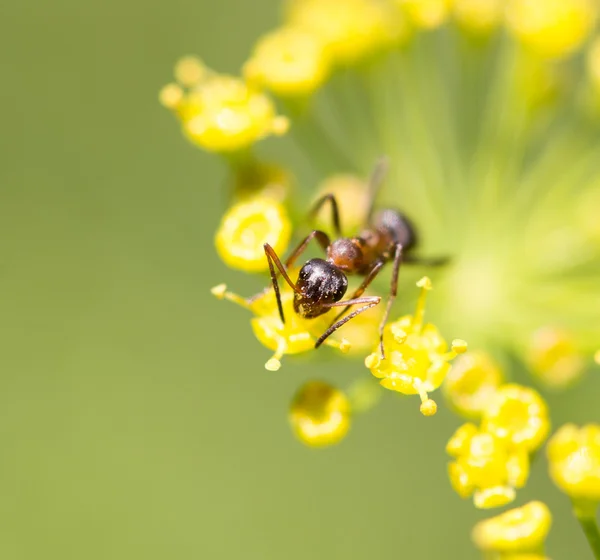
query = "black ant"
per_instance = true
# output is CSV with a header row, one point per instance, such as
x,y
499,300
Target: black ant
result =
x,y
388,236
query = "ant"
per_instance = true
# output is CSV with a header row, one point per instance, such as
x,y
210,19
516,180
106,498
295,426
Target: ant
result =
x,y
387,236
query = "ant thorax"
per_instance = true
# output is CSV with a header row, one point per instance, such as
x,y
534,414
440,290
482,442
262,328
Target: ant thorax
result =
x,y
346,254
321,283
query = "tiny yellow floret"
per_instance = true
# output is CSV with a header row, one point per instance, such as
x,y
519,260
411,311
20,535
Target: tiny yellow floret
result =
x,y
297,335
427,14
350,30
478,16
485,467
574,459
519,530
552,28
320,414
220,113
518,416
593,64
246,227
352,195
417,358
471,383
554,358
289,62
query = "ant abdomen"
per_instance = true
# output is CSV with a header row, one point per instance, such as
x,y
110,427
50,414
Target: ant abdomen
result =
x,y
398,227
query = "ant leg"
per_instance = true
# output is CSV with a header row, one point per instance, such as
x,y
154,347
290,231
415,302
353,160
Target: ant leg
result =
x,y
434,261
371,301
375,184
365,283
392,296
319,235
273,258
335,213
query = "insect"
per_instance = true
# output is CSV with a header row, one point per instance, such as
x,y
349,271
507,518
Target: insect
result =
x,y
388,236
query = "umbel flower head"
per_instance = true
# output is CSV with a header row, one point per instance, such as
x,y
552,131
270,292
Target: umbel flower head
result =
x,y
246,227
485,467
517,416
574,459
471,383
295,336
417,357
521,530
320,414
217,112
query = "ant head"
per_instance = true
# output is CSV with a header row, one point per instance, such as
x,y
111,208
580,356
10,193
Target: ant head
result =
x,y
321,283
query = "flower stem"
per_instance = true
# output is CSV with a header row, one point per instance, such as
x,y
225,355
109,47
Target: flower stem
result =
x,y
591,531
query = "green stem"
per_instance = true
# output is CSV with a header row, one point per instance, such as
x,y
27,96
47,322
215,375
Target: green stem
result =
x,y
590,529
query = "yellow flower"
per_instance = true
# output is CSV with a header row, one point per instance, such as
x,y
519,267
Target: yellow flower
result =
x,y
349,30
485,467
426,13
574,458
518,416
593,64
352,195
478,16
417,357
519,530
246,227
554,358
471,383
320,414
220,113
552,28
288,61
295,336
597,357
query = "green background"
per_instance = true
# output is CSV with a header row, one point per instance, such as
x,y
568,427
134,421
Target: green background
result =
x,y
136,418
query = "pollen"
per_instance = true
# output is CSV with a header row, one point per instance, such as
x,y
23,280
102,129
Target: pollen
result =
x,y
349,30
320,414
522,529
471,383
485,468
554,358
289,62
552,28
297,335
220,113
574,461
417,358
246,227
517,416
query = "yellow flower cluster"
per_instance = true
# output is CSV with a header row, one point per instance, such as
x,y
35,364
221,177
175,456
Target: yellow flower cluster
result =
x,y
349,31
426,14
217,112
574,459
552,28
246,227
516,534
417,357
485,468
320,414
492,461
295,336
471,383
478,16
554,358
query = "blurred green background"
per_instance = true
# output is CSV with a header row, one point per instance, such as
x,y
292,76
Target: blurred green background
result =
x,y
136,418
